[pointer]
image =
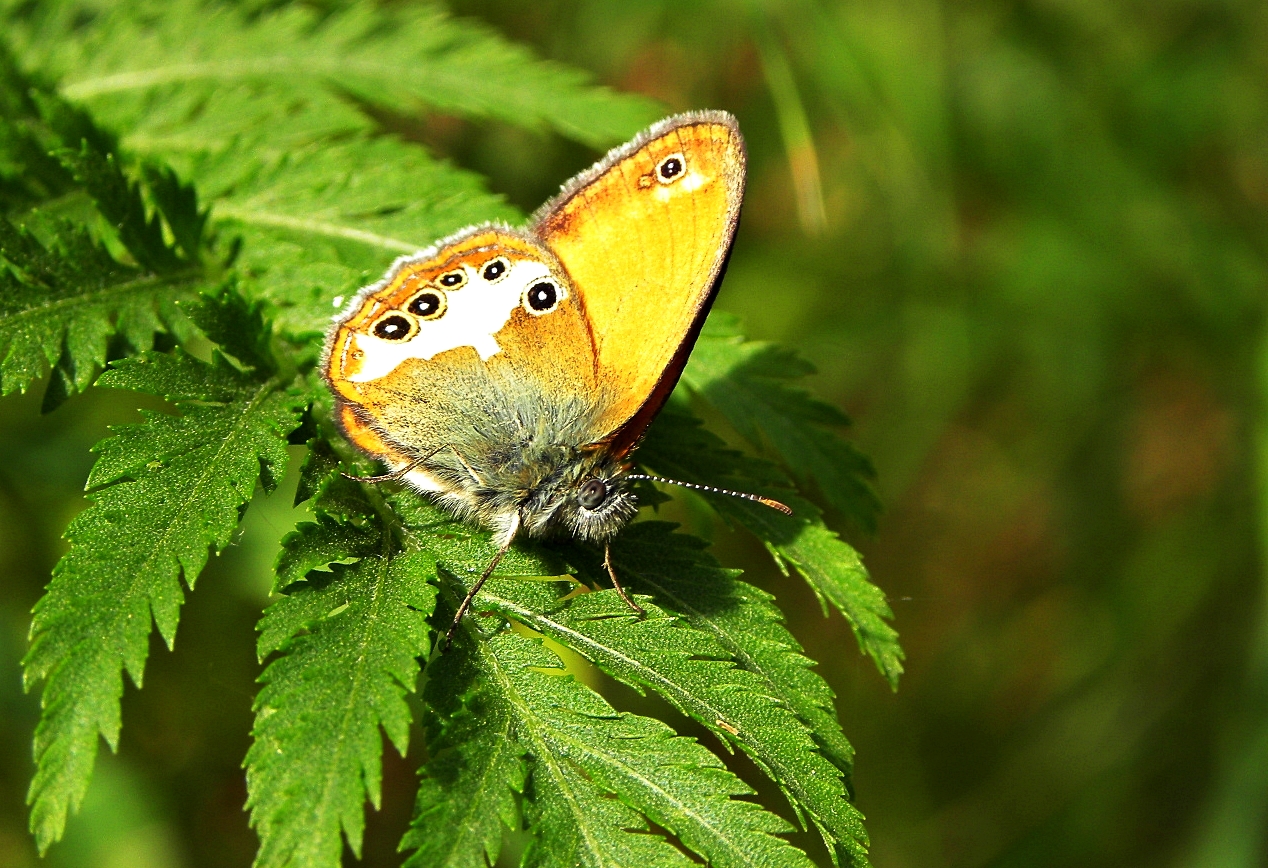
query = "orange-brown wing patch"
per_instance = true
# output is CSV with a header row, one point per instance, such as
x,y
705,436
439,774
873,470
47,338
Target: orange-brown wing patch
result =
x,y
644,235
531,376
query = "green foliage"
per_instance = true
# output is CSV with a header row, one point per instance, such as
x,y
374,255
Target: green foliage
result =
x,y
677,447
268,120
585,752
163,492
62,302
753,385
721,664
349,639
466,794
319,223
397,59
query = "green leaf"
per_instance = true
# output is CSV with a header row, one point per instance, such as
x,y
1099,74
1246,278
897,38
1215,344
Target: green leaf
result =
x,y
62,302
125,67
257,112
742,619
685,662
752,384
320,479
162,492
56,306
567,809
238,328
315,545
348,642
178,203
29,174
467,788
120,202
678,447
585,753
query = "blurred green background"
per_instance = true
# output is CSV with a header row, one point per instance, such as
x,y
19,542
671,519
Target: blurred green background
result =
x,y
1026,245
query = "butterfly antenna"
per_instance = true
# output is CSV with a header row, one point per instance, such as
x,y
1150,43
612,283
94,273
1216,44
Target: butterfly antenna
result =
x,y
756,498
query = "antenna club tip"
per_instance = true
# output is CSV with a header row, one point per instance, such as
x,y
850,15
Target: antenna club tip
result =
x,y
775,504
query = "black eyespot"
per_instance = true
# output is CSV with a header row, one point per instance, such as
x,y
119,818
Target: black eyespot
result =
x,y
453,278
670,168
428,304
494,270
592,494
392,328
542,296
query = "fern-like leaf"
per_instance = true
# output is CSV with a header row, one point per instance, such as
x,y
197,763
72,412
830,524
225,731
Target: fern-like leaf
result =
x,y
585,752
752,383
319,223
696,673
61,302
467,789
29,173
348,639
677,446
743,620
407,56
321,208
163,492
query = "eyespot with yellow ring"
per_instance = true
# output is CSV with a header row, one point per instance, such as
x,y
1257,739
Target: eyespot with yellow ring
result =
x,y
394,326
495,269
430,304
671,168
453,279
542,297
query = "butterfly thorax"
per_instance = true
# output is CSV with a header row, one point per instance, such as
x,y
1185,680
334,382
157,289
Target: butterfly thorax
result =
x,y
550,488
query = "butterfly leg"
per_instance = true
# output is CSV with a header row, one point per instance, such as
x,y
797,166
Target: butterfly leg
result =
x,y
467,466
484,577
394,475
616,583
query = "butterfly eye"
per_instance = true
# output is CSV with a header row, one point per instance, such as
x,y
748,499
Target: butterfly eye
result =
x,y
428,304
494,270
453,279
542,297
393,327
592,494
670,168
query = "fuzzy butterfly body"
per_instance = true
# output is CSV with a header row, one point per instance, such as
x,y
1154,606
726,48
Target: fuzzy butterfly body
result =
x,y
510,373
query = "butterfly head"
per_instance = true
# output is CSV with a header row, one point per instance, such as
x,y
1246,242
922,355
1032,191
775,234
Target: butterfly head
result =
x,y
587,499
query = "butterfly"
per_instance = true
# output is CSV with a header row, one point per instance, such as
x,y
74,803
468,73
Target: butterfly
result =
x,y
510,374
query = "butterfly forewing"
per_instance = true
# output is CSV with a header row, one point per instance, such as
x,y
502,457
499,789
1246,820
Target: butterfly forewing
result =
x,y
644,236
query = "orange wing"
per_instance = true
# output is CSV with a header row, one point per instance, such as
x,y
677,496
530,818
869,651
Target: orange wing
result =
x,y
645,235
477,342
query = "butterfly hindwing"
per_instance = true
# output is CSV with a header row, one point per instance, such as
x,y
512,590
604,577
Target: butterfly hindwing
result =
x,y
644,236
474,347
